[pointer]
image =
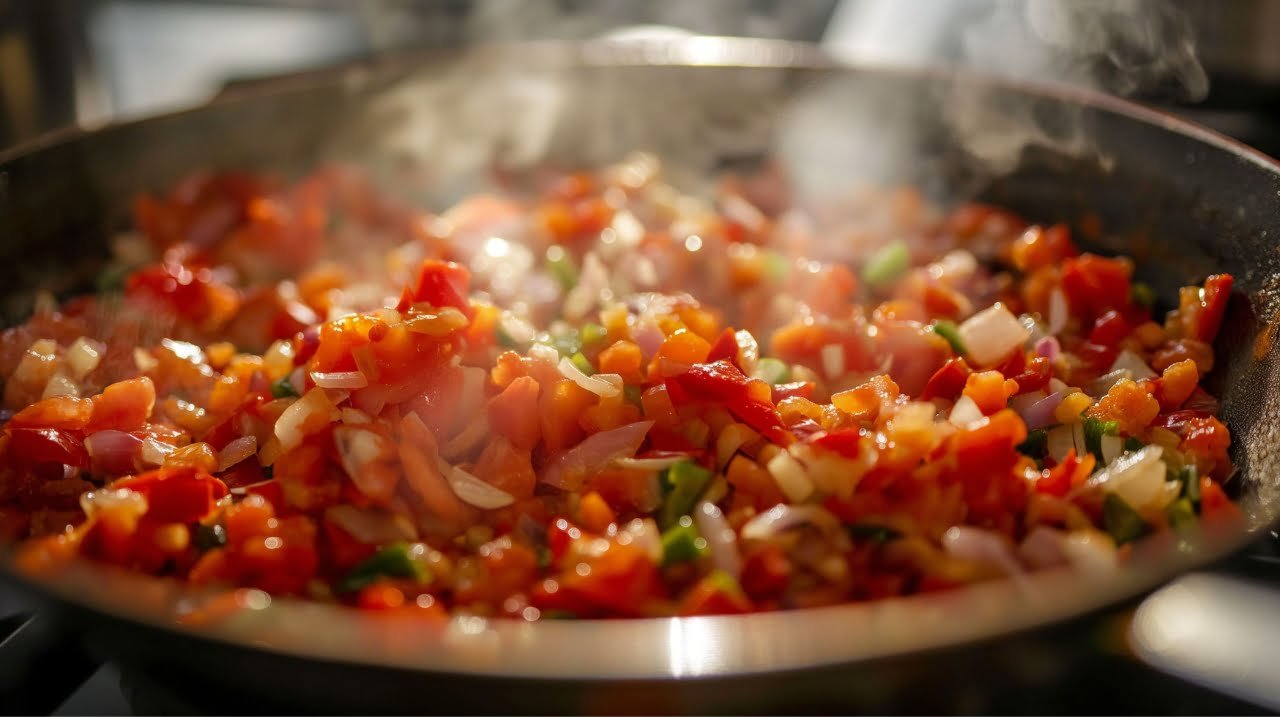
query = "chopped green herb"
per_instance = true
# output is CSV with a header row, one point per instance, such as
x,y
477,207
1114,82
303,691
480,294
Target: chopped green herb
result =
x,y
681,542
686,481
563,270
632,394
873,532
208,537
1094,430
887,264
391,561
593,334
1142,294
583,364
1182,515
772,371
283,389
1132,444
949,331
1036,444
1121,520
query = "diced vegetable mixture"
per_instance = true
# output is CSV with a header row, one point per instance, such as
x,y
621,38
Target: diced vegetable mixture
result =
x,y
591,395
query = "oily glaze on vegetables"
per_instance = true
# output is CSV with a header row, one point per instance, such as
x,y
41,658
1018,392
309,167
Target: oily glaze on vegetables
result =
x,y
596,397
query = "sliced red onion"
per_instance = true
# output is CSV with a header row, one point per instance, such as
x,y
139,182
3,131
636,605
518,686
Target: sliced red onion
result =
x,y
991,334
602,388
236,451
371,526
473,491
1041,413
340,379
981,546
1059,312
1048,347
721,540
154,452
1133,363
114,452
1043,548
649,338
568,469
781,518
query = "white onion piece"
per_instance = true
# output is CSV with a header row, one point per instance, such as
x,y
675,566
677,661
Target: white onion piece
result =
x,y
143,359
1099,388
991,334
83,356
354,416
371,526
305,416
340,379
1062,439
544,353
1137,477
964,412
1041,413
783,517
124,500
650,464
1059,312
1112,447
1043,548
60,385
1090,551
748,351
568,469
644,534
1035,330
473,491
599,387
981,546
154,452
721,540
832,360
733,437
236,451
791,477
1133,363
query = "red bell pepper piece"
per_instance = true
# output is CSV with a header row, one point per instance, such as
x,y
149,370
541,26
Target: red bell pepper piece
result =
x,y
1109,329
722,383
33,446
948,381
844,441
1093,284
1213,303
797,389
725,348
1035,376
176,495
439,283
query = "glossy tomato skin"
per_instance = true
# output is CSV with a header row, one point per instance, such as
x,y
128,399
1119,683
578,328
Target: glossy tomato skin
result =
x,y
33,446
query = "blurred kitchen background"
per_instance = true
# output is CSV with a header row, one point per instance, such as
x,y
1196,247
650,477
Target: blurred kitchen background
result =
x,y
66,62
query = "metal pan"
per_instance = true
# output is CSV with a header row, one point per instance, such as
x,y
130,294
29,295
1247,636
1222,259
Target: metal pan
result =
x,y
1184,201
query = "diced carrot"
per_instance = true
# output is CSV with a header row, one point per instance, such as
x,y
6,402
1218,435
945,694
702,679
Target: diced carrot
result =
x,y
990,390
123,406
594,513
608,414
623,358
558,411
754,482
62,412
657,405
1176,384
685,347
507,467
514,412
1128,404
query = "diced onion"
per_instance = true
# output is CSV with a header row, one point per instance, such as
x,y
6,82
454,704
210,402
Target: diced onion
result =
x,y
1041,413
721,540
1048,347
568,469
354,416
599,387
154,452
1133,363
731,438
991,334
143,359
130,502
340,379
60,385
965,411
650,464
981,546
1137,477
1104,383
1059,312
473,491
1112,447
791,477
303,417
236,451
1062,439
83,356
649,338
783,517
833,360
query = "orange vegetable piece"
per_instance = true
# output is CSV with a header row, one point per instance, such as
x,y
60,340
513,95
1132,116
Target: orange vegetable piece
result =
x,y
990,390
1177,384
514,412
594,513
623,358
558,412
123,406
507,467
63,412
1128,404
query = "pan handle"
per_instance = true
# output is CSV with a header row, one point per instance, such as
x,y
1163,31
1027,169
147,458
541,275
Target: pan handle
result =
x,y
1219,629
